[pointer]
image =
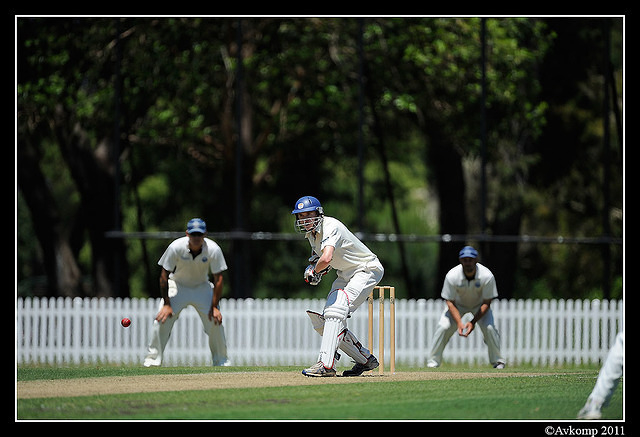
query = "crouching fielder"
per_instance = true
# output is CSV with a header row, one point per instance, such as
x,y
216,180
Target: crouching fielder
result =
x,y
468,291
358,271
187,265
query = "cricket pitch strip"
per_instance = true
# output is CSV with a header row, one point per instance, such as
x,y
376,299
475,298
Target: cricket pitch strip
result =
x,y
212,381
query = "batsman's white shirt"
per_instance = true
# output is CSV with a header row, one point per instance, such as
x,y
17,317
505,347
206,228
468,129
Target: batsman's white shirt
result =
x,y
187,270
469,293
350,253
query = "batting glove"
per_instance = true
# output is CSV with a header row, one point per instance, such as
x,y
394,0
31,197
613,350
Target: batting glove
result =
x,y
311,276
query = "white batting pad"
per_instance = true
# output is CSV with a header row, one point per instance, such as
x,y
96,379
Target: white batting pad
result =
x,y
333,332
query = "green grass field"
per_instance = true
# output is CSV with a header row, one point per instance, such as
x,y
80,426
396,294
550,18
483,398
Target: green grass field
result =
x,y
527,394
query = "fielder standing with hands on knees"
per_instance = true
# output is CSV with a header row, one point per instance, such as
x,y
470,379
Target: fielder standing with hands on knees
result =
x,y
358,272
468,287
187,266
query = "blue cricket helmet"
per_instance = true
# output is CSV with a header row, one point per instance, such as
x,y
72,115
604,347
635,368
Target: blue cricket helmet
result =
x,y
307,203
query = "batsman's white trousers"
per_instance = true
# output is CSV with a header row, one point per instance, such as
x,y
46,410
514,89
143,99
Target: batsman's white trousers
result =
x,y
200,298
348,292
359,283
447,327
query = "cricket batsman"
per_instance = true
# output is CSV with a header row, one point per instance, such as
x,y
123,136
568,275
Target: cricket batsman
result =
x,y
358,270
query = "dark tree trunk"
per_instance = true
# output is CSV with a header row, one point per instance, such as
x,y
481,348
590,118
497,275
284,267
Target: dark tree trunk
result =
x,y
446,164
62,271
93,174
502,258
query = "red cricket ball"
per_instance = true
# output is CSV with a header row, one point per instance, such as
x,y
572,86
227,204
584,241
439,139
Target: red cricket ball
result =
x,y
125,322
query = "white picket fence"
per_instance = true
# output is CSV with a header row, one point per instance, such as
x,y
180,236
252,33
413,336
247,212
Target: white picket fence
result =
x,y
278,332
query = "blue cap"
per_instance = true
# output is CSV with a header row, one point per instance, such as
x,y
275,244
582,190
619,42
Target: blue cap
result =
x,y
468,252
196,225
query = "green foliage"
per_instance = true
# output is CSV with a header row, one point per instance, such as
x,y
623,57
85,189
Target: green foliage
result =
x,y
299,134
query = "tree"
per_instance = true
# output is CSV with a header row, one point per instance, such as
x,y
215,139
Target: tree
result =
x,y
436,67
52,108
140,123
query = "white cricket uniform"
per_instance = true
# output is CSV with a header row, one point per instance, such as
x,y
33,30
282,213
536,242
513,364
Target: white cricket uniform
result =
x,y
467,296
358,270
607,382
189,285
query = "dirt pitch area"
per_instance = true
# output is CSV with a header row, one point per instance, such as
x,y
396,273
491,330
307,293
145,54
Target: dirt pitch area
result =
x,y
213,381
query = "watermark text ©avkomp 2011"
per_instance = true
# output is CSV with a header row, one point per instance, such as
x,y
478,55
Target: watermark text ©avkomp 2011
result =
x,y
601,430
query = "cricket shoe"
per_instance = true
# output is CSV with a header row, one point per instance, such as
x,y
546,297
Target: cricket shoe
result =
x,y
358,369
591,410
151,362
499,365
318,370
